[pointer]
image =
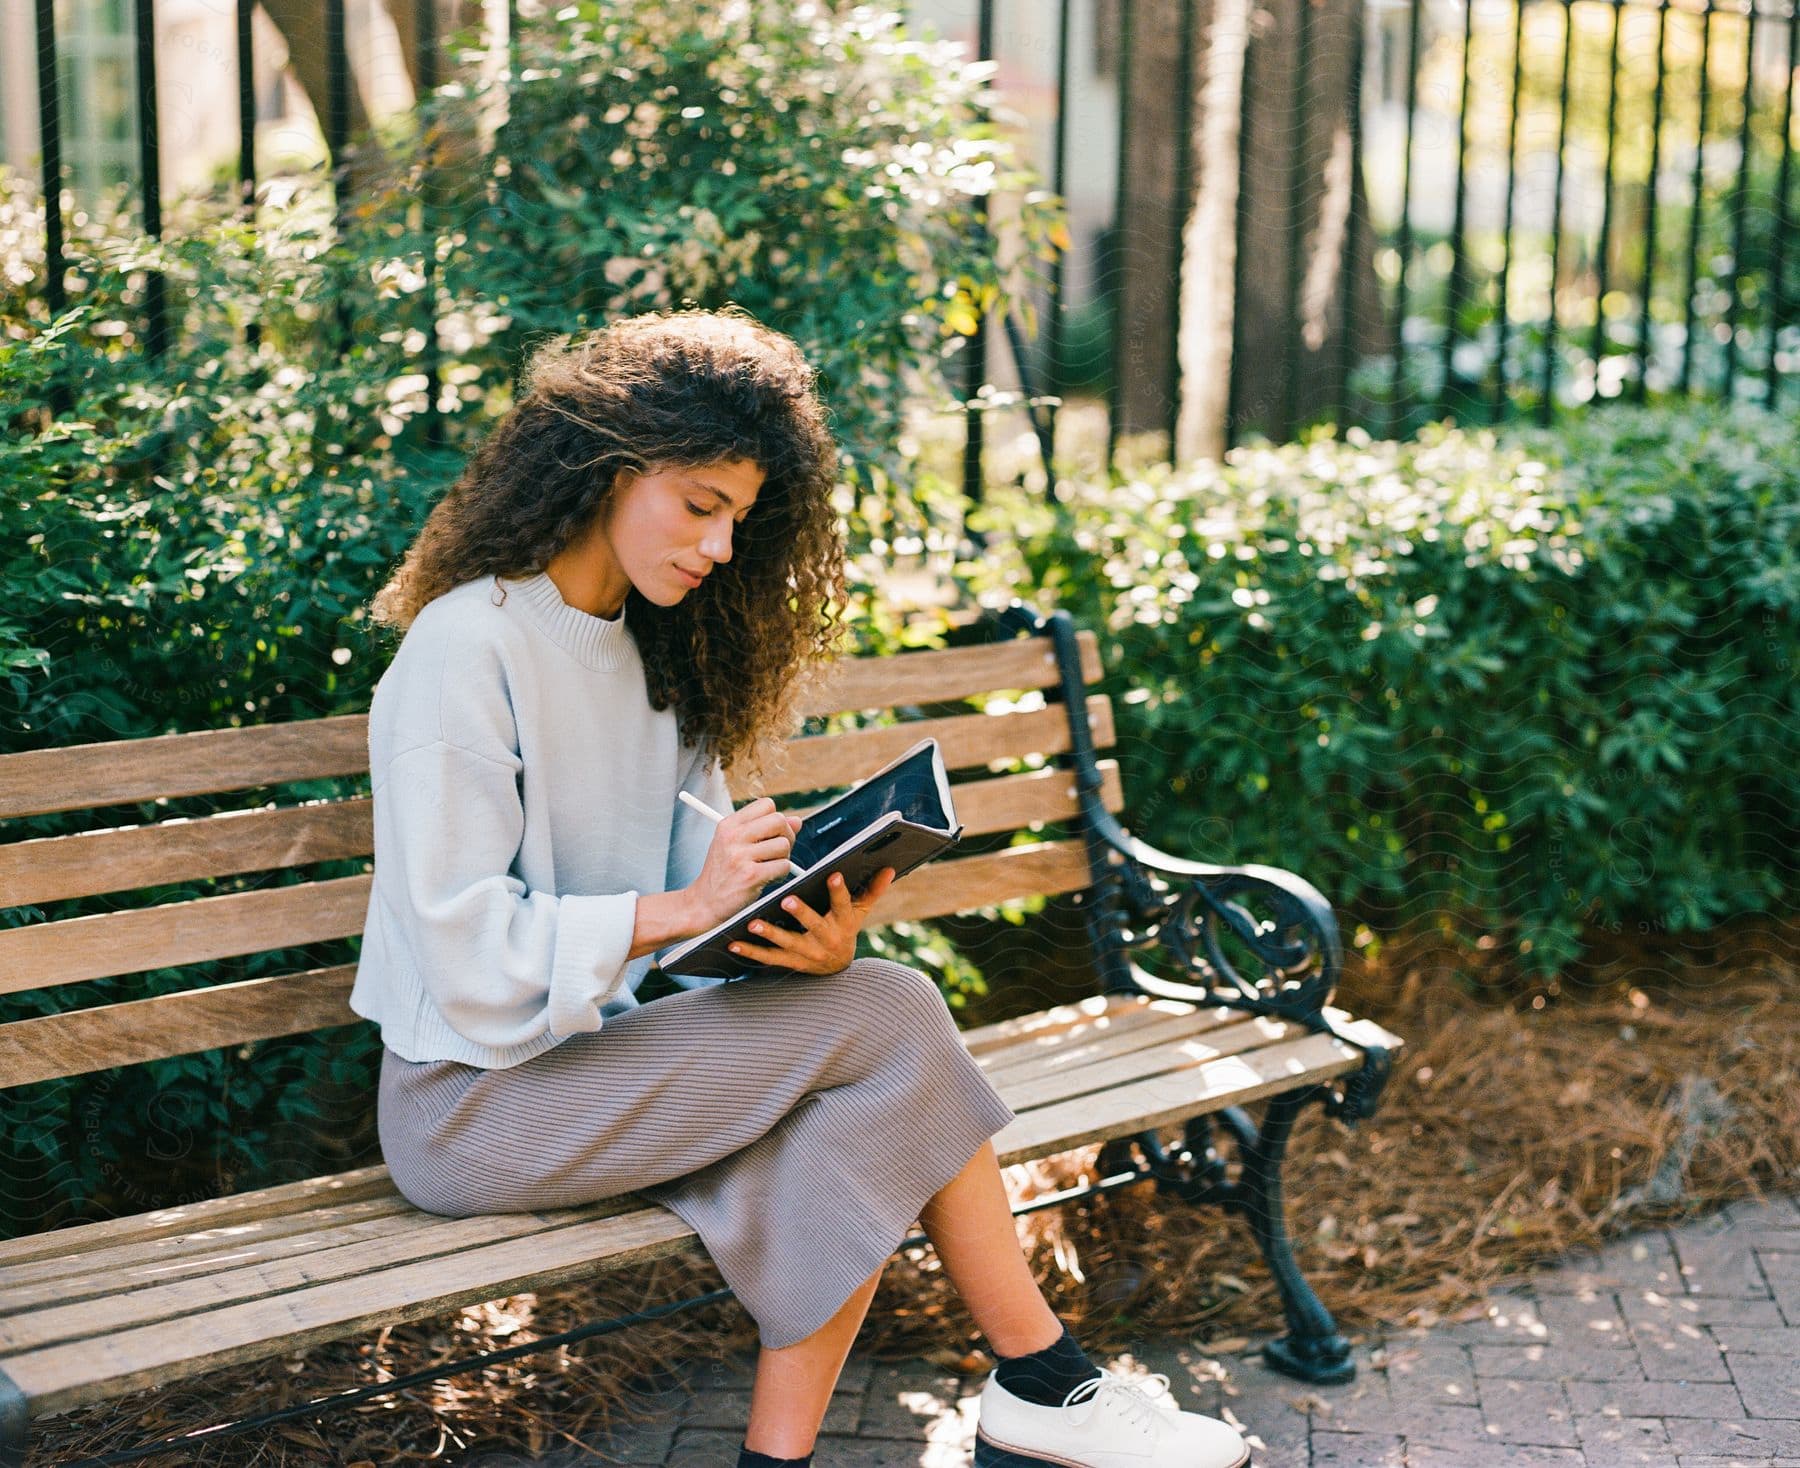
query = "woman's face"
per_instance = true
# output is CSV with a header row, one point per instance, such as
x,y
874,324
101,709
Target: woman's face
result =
x,y
666,530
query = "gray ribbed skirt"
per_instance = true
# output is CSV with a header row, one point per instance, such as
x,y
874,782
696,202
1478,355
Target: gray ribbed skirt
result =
x,y
797,1123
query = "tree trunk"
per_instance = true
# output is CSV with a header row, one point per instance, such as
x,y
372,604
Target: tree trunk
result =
x,y
302,27
1290,312
1259,347
1146,250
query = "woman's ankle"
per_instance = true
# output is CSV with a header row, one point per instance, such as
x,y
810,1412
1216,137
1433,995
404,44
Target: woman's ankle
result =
x,y
748,1457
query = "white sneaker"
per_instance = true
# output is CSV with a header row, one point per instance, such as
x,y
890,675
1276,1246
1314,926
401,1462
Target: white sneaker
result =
x,y
1106,1422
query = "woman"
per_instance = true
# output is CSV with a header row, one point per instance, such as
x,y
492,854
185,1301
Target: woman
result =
x,y
615,601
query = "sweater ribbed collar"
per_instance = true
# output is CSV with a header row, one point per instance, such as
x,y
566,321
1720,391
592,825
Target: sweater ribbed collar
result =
x,y
597,642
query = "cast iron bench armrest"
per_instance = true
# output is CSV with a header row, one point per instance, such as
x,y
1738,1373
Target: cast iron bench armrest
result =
x,y
1145,899
1155,901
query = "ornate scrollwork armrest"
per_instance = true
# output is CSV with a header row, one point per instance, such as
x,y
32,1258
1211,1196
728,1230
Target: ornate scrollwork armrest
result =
x,y
1254,937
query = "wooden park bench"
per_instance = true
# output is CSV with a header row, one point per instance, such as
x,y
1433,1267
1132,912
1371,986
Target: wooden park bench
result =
x,y
1213,989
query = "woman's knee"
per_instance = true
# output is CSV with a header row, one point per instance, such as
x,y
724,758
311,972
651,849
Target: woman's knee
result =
x,y
898,989
899,1011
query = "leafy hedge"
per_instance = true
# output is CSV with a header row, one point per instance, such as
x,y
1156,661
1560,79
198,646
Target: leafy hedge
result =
x,y
1523,683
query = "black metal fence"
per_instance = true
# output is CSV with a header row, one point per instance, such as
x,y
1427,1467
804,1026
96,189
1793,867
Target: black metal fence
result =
x,y
1666,258
1654,262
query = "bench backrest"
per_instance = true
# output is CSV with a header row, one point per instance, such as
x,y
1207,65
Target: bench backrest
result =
x,y
994,704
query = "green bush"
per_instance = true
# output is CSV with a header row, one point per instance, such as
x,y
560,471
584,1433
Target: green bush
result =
x,y
191,542
1523,685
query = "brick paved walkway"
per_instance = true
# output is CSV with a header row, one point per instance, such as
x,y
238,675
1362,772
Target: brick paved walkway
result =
x,y
1678,1348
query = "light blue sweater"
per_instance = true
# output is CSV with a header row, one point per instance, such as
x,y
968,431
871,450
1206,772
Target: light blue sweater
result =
x,y
525,796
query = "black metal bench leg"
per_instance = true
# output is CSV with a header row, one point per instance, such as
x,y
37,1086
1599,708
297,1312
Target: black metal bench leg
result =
x,y
15,1421
1312,1350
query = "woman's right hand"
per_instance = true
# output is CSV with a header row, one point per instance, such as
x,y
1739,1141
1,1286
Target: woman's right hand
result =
x,y
749,850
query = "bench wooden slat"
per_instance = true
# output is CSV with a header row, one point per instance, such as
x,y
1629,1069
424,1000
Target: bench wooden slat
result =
x,y
176,933
96,1368
940,675
204,928
824,761
1128,1030
68,1278
82,776
137,1030
268,1262
1105,1065
1044,1024
231,1210
1175,1095
54,868
940,887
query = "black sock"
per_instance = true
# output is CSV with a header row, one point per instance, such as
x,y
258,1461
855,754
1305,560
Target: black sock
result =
x,y
1047,1376
749,1459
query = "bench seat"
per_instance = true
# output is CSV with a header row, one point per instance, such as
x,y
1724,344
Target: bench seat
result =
x,y
94,1311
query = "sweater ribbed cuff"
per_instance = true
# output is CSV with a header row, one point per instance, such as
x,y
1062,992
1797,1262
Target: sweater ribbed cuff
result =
x,y
593,945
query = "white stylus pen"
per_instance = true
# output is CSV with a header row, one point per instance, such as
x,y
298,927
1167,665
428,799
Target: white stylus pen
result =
x,y
695,803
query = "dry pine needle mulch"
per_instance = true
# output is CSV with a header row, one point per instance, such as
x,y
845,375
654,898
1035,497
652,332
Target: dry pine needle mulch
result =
x,y
1660,1082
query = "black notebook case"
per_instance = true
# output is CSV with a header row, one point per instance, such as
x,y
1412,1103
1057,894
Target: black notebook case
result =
x,y
901,817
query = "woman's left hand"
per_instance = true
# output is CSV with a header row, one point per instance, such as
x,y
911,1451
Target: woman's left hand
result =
x,y
827,942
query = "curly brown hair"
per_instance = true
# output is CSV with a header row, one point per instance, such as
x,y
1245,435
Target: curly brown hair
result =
x,y
685,389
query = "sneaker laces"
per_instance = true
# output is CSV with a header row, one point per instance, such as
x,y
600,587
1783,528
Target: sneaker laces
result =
x,y
1136,1406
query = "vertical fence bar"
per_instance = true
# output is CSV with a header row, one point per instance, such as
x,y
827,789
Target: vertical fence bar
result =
x,y
1184,177
50,133
1546,403
337,104
337,136
1397,396
427,68
1233,381
1778,264
1738,204
1352,220
1296,218
246,99
1687,340
1059,181
1597,349
1454,287
975,363
156,311
1646,318
1506,228
1115,263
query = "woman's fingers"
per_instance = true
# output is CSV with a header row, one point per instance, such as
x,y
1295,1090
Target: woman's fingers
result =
x,y
824,936
804,915
776,944
760,953
873,893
